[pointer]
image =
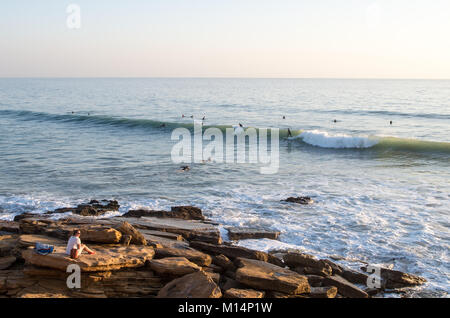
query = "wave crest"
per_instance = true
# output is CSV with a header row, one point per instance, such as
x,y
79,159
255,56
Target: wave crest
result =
x,y
325,140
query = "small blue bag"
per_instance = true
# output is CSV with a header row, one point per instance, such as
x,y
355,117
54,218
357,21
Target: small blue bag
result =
x,y
44,249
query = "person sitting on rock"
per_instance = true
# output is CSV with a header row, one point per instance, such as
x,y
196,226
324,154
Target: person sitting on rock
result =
x,y
74,246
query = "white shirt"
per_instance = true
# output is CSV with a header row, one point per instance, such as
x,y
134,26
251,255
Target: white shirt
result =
x,y
72,244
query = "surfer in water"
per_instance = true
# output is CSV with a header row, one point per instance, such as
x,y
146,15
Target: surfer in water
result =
x,y
289,133
240,125
284,117
162,126
390,123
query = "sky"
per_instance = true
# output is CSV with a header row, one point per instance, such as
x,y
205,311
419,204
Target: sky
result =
x,y
227,38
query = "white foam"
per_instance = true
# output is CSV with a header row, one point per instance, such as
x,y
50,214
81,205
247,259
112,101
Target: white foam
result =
x,y
325,140
266,245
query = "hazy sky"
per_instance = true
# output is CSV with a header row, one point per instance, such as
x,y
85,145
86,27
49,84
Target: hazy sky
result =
x,y
227,38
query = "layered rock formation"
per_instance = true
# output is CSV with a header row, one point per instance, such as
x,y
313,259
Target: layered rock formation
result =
x,y
176,254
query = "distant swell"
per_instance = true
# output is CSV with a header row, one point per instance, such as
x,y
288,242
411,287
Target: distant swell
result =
x,y
88,119
315,138
382,113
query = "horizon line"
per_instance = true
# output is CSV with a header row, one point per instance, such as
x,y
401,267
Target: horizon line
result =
x,y
220,77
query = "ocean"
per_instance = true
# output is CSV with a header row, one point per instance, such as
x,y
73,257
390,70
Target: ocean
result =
x,y
381,190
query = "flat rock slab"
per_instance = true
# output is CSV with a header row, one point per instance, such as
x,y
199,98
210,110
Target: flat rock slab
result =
x,y
189,229
27,240
233,252
243,293
196,285
237,233
173,266
162,242
167,235
90,232
345,288
106,258
266,276
197,257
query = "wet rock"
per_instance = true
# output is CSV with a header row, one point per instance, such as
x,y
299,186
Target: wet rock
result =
x,y
372,291
397,279
93,208
180,212
300,200
243,293
236,233
345,288
136,237
173,266
22,216
187,212
195,285
266,276
9,226
336,269
354,276
323,292
324,271
307,264
197,257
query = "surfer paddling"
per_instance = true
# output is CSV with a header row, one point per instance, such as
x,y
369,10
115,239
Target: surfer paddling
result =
x,y
184,168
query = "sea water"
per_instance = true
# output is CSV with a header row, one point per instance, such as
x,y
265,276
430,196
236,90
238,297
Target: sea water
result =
x,y
381,190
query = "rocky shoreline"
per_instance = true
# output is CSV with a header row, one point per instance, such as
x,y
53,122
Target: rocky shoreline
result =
x,y
177,253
